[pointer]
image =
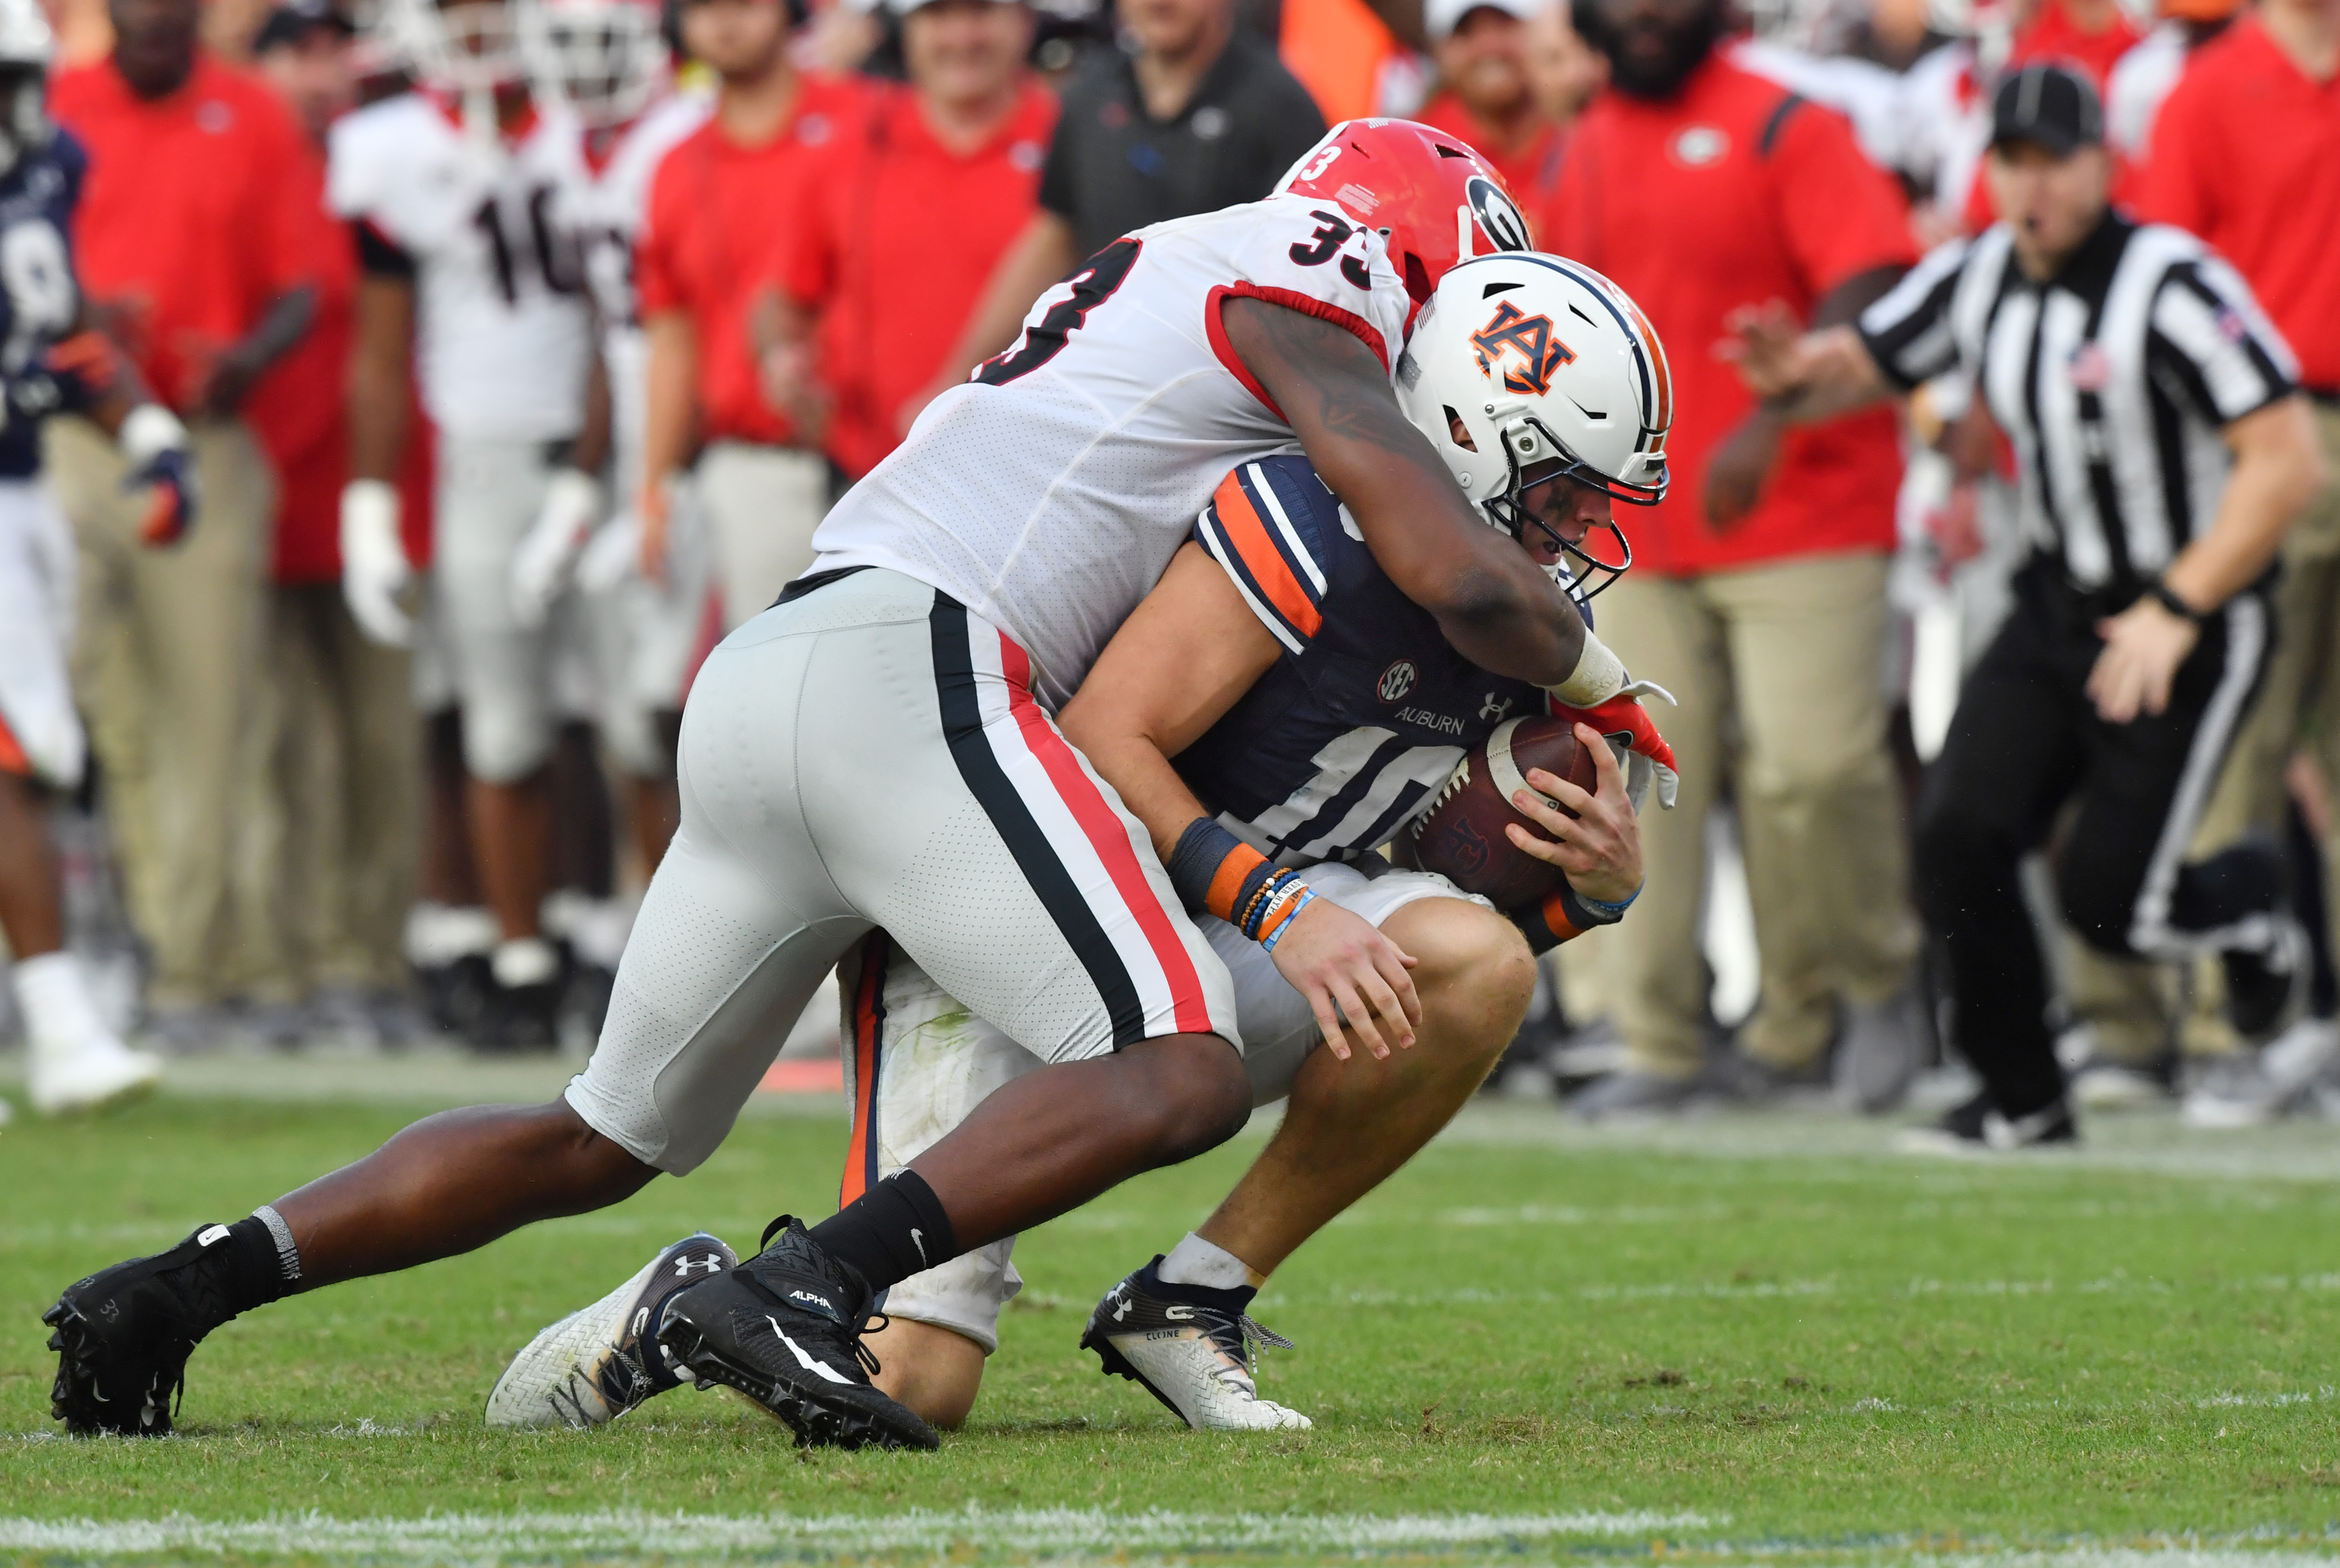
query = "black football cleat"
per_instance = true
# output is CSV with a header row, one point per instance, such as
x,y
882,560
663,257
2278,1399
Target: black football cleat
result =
x,y
123,1337
784,1328
1977,1127
1190,1346
603,1359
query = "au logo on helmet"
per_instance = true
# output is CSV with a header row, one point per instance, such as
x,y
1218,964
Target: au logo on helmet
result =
x,y
1512,329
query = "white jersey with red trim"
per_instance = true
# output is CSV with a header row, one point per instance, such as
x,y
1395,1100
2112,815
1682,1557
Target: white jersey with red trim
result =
x,y
607,217
1049,492
504,334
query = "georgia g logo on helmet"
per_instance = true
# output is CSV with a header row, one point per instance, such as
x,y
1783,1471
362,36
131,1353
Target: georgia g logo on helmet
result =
x,y
1498,218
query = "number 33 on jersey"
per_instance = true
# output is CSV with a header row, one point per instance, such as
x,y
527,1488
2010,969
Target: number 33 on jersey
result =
x,y
502,321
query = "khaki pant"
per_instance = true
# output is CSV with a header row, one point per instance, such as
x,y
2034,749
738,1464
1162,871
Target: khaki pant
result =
x,y
347,766
761,504
1778,672
168,666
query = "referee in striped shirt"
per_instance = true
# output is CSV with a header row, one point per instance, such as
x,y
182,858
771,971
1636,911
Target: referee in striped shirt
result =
x,y
2163,446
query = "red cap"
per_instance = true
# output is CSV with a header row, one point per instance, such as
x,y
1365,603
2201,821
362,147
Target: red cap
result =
x,y
1438,202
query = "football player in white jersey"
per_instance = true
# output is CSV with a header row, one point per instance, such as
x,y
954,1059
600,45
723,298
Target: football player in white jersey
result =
x,y
51,361
877,750
459,191
1261,663
606,59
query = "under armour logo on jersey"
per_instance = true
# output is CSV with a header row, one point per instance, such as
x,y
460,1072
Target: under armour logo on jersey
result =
x,y
1512,331
1493,709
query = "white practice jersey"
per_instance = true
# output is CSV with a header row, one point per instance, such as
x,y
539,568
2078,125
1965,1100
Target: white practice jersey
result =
x,y
1049,492
504,332
607,217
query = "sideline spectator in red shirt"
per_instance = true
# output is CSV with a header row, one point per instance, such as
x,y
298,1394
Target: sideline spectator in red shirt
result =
x,y
901,247
346,751
1486,92
2245,152
2092,34
722,209
1759,594
201,256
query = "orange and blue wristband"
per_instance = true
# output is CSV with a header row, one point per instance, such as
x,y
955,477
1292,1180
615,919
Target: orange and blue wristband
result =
x,y
1215,872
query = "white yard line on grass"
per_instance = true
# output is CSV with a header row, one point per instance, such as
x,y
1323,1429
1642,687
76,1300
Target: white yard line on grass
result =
x,y
1053,1530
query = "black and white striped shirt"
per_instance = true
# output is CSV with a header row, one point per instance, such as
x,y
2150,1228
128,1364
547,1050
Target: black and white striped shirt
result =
x,y
2113,380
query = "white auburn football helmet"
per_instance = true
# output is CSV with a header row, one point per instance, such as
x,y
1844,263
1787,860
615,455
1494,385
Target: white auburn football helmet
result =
x,y
1552,372
27,46
460,47
606,59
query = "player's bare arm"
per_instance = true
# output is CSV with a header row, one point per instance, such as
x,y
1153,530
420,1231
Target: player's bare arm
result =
x,y
1183,657
1494,605
380,376
2279,468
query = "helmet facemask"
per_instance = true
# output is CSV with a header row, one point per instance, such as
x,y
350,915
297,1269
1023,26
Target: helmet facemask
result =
x,y
1534,456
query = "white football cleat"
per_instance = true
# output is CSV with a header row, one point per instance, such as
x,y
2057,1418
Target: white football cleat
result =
x,y
603,1359
72,1061
1190,1346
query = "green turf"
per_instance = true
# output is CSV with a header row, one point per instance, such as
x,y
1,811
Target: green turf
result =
x,y
1804,1350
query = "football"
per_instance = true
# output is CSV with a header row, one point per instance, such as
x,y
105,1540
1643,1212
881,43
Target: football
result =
x,y
1461,835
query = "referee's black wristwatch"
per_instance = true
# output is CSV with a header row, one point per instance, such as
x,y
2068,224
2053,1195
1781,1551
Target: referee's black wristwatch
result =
x,y
2167,597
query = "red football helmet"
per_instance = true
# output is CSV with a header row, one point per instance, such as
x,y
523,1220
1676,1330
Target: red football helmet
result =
x,y
1435,198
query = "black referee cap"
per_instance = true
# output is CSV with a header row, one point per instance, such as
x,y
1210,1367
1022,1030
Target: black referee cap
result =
x,y
2048,106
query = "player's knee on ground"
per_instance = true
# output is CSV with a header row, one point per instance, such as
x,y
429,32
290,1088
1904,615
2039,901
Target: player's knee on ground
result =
x,y
1476,974
1182,1095
932,1370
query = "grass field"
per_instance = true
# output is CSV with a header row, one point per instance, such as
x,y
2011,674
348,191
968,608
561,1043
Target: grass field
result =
x,y
1742,1339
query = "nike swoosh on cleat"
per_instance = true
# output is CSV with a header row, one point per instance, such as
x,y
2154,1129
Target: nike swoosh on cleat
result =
x,y
806,1361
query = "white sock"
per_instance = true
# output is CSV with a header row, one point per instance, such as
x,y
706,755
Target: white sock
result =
x,y
1194,1261
439,934
56,1005
524,961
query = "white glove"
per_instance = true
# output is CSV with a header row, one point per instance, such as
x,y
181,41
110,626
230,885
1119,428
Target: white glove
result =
x,y
374,568
614,555
539,568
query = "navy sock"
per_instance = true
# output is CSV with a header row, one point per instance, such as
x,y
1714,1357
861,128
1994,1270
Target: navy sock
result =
x,y
895,1229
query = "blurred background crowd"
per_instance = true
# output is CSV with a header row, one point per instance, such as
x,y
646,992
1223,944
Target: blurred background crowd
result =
x,y
775,232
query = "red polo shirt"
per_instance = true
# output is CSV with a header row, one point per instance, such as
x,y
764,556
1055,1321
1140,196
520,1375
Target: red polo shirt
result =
x,y
2247,154
721,219
1716,199
188,227
1527,170
902,249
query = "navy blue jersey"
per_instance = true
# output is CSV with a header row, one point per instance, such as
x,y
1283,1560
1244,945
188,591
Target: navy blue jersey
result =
x,y
1369,709
39,300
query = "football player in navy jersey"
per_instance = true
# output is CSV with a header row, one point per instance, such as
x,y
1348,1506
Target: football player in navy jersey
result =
x,y
1273,712
51,362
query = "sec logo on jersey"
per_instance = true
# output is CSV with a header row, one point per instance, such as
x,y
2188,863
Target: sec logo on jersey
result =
x,y
1397,681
